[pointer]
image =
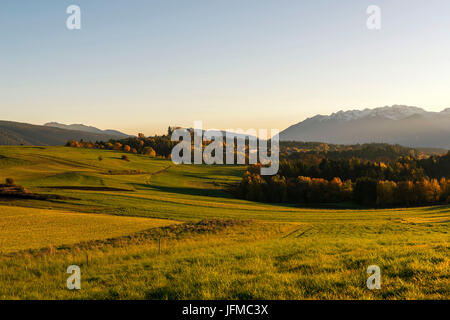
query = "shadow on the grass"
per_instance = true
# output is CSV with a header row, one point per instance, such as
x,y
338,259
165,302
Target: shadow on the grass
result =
x,y
217,193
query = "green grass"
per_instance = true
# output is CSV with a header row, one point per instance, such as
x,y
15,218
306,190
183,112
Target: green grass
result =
x,y
27,228
285,252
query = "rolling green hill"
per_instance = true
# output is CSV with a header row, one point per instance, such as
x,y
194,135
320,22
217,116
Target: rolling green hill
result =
x,y
214,247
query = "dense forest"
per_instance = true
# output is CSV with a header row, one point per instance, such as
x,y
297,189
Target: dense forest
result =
x,y
406,182
381,152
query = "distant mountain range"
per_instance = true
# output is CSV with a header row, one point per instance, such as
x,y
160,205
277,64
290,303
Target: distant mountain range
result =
x,y
404,125
15,133
82,127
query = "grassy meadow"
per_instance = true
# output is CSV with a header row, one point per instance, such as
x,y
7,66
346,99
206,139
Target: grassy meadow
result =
x,y
148,229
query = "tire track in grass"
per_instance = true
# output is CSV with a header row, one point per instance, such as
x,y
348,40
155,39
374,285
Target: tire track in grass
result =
x,y
299,229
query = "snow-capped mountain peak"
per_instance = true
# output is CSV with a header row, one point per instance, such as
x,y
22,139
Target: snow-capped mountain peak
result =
x,y
395,112
404,125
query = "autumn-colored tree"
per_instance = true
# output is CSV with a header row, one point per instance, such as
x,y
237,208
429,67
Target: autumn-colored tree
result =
x,y
386,192
117,146
335,189
435,190
427,191
73,144
149,151
126,148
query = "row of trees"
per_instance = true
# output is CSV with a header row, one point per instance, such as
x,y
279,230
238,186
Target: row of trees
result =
x,y
160,145
152,146
402,193
365,191
301,190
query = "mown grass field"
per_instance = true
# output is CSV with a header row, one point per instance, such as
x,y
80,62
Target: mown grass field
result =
x,y
28,228
255,251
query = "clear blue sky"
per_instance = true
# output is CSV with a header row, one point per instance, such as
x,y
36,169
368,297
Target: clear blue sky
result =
x,y
141,65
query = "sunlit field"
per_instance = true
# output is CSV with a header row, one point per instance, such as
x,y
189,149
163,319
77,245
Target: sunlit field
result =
x,y
147,229
27,228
